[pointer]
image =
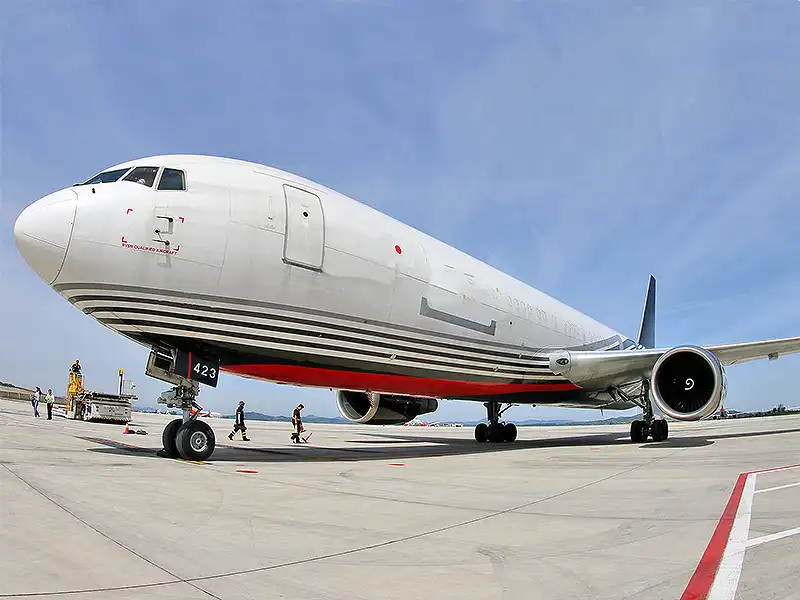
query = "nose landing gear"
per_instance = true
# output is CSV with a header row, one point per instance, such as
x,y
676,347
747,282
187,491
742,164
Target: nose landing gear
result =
x,y
495,431
188,437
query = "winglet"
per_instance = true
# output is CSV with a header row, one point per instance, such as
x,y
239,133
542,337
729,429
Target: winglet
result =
x,y
647,330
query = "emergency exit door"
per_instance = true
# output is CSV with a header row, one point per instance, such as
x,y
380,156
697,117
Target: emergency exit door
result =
x,y
305,229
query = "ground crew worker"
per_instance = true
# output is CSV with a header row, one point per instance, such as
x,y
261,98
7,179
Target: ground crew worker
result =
x,y
297,423
76,367
239,423
50,399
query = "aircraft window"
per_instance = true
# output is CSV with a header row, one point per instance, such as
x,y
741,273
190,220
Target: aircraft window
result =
x,y
107,176
172,179
144,175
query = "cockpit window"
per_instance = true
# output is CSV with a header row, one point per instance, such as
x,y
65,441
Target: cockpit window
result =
x,y
107,176
144,175
172,179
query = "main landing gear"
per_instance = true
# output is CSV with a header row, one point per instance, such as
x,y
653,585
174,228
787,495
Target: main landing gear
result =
x,y
657,429
495,431
188,437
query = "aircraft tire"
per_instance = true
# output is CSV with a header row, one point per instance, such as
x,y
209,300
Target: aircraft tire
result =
x,y
659,430
481,433
638,432
497,433
168,438
510,431
195,441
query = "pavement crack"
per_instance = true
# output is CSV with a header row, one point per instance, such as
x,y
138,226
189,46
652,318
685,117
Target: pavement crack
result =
x,y
177,578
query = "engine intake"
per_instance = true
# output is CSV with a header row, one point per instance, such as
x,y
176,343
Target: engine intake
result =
x,y
688,383
379,409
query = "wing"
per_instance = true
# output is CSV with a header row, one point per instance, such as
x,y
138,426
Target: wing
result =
x,y
598,370
732,354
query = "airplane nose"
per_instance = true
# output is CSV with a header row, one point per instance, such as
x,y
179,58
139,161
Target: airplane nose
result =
x,y
43,230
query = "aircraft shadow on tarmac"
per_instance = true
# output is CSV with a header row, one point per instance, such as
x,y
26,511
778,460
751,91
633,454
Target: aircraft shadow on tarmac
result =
x,y
404,446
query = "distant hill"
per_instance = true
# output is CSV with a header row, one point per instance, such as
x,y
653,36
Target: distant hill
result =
x,y
566,422
257,416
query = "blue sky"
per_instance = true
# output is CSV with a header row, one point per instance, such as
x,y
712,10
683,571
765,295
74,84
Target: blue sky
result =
x,y
578,146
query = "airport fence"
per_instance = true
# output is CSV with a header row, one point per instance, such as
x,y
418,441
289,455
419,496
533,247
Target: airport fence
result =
x,y
23,395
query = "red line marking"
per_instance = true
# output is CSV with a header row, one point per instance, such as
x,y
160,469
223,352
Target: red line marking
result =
x,y
398,249
129,211
700,584
245,471
189,369
397,384
397,464
777,469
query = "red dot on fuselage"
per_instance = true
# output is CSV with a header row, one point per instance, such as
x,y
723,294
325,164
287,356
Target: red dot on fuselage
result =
x,y
398,249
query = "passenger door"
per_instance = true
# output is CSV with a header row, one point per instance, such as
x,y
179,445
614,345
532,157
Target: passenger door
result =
x,y
304,244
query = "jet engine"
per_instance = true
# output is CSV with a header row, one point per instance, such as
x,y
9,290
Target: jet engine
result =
x,y
688,383
381,409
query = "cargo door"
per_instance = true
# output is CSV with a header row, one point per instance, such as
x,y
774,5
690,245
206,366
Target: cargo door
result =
x,y
304,243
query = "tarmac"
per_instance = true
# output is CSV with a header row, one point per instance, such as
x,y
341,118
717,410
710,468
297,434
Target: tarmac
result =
x,y
390,513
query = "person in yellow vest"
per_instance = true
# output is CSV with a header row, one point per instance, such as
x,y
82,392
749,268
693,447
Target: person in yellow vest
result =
x,y
50,400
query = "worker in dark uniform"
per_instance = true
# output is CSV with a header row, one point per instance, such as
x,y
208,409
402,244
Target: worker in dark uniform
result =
x,y
239,423
76,367
297,423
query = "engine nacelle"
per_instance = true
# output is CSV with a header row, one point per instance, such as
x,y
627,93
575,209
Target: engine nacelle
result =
x,y
380,409
688,383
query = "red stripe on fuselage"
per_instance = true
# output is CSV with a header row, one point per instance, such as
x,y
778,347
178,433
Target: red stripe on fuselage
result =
x,y
393,384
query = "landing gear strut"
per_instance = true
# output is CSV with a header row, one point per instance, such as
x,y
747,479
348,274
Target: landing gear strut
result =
x,y
495,431
188,437
658,429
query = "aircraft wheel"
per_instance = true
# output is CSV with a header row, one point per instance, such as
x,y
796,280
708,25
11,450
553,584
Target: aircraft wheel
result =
x,y
660,430
168,438
195,440
511,431
482,433
497,433
638,432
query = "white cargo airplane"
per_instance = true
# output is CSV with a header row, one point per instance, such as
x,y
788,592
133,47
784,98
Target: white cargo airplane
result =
x,y
219,264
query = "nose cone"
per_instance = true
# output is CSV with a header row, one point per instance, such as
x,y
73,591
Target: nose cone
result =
x,y
43,230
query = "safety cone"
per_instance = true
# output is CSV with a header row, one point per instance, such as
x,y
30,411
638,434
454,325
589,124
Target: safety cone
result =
x,y
127,430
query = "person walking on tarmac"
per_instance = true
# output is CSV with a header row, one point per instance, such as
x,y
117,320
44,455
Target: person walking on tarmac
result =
x,y
297,423
49,399
37,395
239,423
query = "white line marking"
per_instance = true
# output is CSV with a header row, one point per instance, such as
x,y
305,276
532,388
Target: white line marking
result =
x,y
772,537
730,568
780,487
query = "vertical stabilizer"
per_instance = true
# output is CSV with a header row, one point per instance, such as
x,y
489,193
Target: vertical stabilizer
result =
x,y
647,330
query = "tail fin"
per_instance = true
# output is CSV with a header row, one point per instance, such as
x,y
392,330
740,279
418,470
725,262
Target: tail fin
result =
x,y
647,330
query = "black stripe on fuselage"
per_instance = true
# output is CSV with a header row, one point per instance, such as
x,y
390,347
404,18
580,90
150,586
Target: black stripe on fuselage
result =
x,y
443,339
379,345
323,350
233,353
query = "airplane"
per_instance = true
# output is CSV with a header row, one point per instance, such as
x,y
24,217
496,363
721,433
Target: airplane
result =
x,y
223,265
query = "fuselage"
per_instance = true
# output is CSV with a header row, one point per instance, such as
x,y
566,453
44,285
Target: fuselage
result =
x,y
288,281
